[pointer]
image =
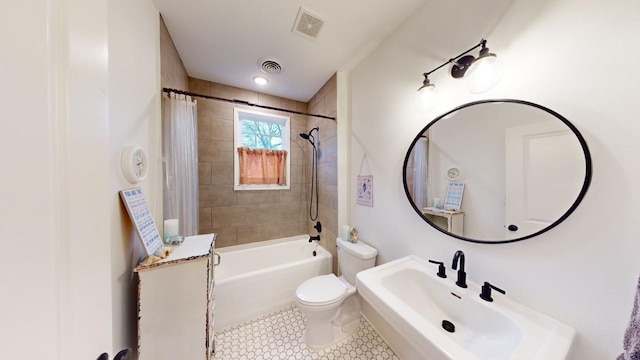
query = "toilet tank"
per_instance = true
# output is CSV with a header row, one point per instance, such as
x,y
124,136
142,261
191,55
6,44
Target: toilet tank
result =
x,y
354,257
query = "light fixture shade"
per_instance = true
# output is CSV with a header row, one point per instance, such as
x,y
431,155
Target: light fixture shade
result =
x,y
426,98
484,74
260,80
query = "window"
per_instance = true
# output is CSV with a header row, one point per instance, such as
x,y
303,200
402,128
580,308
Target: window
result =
x,y
267,135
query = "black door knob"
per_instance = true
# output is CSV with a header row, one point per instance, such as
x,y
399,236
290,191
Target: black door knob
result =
x,y
512,228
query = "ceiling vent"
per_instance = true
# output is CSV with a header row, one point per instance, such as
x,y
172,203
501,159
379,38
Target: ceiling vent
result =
x,y
307,24
269,66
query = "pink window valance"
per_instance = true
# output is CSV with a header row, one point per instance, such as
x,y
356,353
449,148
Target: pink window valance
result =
x,y
262,166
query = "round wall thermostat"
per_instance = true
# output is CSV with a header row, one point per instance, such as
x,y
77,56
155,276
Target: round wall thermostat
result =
x,y
453,173
134,164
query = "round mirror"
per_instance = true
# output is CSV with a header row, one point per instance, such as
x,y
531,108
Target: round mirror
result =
x,y
497,171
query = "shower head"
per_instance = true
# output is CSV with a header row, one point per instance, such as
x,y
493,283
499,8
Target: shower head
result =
x,y
310,137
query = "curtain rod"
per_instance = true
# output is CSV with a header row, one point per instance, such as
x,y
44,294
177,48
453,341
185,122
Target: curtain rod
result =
x,y
236,101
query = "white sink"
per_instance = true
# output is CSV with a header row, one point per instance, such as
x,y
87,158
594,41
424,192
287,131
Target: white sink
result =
x,y
405,300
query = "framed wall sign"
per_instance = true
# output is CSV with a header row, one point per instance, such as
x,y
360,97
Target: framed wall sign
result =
x,y
453,200
140,216
365,190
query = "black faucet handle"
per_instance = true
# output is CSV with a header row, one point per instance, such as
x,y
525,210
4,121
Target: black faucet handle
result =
x,y
441,268
486,291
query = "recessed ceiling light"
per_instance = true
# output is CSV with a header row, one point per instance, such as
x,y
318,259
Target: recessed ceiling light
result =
x,y
260,80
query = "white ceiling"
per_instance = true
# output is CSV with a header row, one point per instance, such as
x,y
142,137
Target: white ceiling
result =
x,y
222,41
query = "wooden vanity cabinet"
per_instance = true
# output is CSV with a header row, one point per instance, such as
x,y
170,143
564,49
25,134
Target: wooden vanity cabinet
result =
x,y
175,303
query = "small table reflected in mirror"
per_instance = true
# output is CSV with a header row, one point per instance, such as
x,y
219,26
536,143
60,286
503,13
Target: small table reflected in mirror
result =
x,y
450,220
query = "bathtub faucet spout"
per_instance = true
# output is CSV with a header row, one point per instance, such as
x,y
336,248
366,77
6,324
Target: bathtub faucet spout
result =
x,y
316,238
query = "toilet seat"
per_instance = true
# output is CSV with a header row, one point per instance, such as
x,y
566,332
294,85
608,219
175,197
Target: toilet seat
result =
x,y
321,290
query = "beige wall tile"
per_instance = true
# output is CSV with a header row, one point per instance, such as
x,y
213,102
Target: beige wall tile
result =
x,y
221,129
289,104
215,151
257,197
329,129
204,173
277,213
297,152
200,87
225,236
234,216
216,196
295,175
312,105
249,234
328,151
331,101
222,173
233,93
204,127
215,109
302,107
270,100
204,221
330,197
293,195
173,73
299,121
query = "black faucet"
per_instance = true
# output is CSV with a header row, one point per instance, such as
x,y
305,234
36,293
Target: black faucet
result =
x,y
316,238
462,276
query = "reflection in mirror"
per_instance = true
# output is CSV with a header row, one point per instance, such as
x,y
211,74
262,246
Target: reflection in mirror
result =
x,y
524,168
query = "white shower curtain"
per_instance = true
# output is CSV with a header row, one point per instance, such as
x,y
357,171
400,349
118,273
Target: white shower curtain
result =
x,y
420,156
180,160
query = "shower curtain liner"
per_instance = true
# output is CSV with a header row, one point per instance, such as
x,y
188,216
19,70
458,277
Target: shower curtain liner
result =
x,y
180,162
420,169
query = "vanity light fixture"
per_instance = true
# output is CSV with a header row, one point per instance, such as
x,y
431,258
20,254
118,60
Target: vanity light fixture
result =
x,y
480,73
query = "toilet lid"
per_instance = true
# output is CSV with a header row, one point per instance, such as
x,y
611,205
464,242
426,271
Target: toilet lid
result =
x,y
321,290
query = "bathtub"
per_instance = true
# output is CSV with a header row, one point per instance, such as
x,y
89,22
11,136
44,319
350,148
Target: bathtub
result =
x,y
259,278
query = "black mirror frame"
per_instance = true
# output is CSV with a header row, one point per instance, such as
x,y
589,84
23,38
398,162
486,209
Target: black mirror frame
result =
x,y
583,191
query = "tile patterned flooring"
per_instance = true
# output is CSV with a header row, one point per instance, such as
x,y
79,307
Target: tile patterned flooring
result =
x,y
280,335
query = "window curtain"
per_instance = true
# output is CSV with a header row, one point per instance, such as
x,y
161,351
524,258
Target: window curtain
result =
x,y
420,160
180,162
262,166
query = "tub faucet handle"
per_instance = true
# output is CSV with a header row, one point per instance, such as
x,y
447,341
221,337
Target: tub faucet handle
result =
x,y
441,269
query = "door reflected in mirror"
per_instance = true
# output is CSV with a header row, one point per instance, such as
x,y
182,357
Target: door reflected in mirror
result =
x,y
524,167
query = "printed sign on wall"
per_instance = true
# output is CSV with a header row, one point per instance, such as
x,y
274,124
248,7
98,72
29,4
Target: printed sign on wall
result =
x,y
140,216
365,190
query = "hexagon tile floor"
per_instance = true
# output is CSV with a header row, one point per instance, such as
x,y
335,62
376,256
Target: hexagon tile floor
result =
x,y
280,335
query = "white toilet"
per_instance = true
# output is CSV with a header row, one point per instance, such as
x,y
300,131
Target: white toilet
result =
x,y
326,300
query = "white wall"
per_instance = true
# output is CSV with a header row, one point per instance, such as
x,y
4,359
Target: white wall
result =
x,y
575,57
134,115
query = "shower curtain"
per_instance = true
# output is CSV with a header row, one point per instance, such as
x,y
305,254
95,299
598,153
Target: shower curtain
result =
x,y
420,156
180,160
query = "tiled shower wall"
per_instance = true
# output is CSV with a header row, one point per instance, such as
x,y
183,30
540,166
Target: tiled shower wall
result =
x,y
324,103
240,217
248,216
173,73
